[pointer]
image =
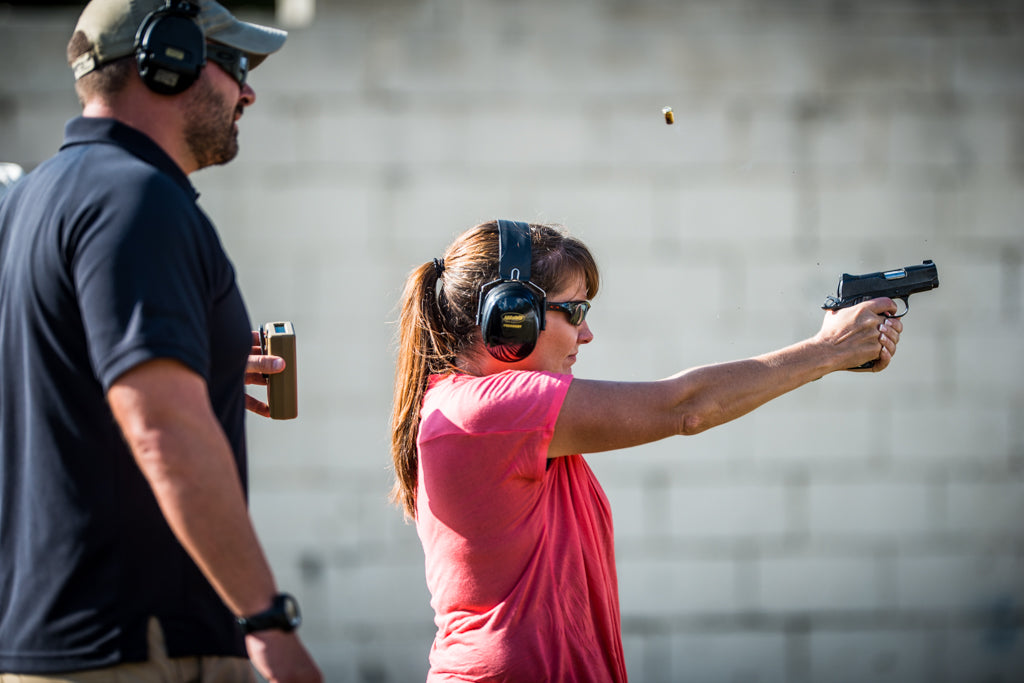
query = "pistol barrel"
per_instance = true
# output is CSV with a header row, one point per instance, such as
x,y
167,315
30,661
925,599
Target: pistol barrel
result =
x,y
895,284
899,283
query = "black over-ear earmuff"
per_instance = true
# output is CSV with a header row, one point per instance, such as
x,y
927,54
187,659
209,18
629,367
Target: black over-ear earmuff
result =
x,y
170,48
510,312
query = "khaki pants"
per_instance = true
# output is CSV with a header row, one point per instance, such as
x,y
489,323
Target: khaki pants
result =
x,y
159,669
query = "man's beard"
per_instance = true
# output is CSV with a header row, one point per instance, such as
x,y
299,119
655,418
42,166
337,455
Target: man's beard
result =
x,y
210,127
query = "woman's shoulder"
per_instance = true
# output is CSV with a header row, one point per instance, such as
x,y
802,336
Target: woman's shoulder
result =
x,y
501,386
514,398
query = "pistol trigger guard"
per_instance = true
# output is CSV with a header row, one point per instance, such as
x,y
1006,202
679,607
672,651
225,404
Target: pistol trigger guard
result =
x,y
906,303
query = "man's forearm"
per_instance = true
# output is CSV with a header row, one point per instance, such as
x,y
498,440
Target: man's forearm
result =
x,y
183,453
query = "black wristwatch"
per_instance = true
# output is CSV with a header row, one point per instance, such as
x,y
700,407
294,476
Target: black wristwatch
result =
x,y
283,615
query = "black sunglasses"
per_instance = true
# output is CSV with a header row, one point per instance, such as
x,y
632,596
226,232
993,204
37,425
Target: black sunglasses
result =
x,y
234,62
576,310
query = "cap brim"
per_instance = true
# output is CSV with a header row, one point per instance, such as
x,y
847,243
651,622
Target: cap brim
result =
x,y
255,41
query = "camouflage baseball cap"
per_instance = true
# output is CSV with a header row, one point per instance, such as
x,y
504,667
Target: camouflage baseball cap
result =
x,y
111,25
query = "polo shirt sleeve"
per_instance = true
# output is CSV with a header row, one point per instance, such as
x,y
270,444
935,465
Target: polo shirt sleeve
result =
x,y
137,265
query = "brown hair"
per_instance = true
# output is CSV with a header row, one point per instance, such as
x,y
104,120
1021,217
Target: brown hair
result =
x,y
107,80
437,323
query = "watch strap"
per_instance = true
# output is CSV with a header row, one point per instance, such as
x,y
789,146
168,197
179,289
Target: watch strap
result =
x,y
282,615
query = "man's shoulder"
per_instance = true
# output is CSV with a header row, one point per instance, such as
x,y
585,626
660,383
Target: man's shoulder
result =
x,y
125,186
115,155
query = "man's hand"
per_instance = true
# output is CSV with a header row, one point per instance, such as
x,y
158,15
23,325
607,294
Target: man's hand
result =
x,y
256,370
281,658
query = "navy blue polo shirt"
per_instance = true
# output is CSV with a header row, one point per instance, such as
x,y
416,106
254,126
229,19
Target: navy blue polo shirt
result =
x,y
106,262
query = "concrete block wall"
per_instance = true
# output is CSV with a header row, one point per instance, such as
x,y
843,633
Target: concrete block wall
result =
x,y
864,528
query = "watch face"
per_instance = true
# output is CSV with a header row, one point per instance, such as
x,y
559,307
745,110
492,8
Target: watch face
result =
x,y
283,615
291,611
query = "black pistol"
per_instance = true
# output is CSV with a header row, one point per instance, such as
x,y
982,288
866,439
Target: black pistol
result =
x,y
895,284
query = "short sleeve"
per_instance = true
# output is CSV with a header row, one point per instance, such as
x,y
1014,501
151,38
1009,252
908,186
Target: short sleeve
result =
x,y
483,444
142,285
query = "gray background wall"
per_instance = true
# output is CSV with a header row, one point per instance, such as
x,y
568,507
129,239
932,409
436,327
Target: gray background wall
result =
x,y
864,528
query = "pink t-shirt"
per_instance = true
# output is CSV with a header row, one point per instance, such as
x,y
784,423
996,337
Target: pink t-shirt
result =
x,y
520,557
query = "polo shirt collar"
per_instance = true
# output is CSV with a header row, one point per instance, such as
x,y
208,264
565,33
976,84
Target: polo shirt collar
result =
x,y
89,130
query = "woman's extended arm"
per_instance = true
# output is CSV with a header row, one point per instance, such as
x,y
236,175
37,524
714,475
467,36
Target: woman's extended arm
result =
x,y
600,416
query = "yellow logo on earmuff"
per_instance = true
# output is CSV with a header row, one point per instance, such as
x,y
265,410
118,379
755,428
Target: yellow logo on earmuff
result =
x,y
513,320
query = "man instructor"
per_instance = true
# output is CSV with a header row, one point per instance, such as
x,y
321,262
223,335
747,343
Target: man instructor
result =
x,y
126,549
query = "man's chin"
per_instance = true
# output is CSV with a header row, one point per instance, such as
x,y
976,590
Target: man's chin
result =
x,y
222,156
228,156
